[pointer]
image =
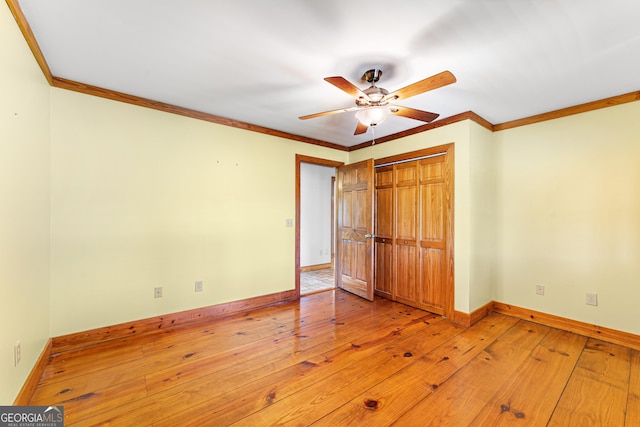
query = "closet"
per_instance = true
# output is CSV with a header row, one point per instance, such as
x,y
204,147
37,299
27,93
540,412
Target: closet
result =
x,y
414,229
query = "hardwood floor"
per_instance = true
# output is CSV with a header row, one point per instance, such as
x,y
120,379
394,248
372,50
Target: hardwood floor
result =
x,y
333,359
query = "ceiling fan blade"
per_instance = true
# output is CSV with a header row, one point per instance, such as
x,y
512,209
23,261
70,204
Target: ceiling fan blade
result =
x,y
327,113
360,129
346,86
442,79
412,113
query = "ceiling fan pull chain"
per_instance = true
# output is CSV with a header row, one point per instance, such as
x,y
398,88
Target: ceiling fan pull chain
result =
x,y
373,135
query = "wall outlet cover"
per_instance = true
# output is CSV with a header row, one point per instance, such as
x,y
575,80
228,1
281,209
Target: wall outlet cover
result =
x,y
17,353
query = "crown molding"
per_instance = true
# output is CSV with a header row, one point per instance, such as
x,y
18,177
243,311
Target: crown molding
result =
x,y
25,28
569,111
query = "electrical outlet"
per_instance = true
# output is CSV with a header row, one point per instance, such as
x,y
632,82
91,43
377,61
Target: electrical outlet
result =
x,y
591,298
199,286
539,289
17,353
157,292
288,222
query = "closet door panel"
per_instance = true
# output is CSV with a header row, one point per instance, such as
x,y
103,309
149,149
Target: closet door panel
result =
x,y
406,200
406,195
406,173
433,238
432,213
432,295
405,274
384,213
406,233
384,177
384,267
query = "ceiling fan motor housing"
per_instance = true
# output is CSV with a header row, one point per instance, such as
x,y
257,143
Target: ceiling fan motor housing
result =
x,y
375,97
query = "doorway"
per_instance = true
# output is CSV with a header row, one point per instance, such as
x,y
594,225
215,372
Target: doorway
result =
x,y
413,230
315,227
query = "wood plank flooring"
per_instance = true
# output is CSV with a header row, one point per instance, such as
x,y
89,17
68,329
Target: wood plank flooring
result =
x,y
333,359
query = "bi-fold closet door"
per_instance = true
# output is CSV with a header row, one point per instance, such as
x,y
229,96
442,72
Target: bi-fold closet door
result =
x,y
413,243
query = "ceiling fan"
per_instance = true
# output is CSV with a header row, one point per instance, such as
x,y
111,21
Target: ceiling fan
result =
x,y
374,104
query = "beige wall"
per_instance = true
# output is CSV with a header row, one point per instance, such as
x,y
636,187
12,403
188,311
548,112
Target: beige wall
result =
x,y
141,198
568,216
482,218
24,207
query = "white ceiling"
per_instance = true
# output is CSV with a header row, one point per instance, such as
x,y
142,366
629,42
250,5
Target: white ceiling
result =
x,y
263,62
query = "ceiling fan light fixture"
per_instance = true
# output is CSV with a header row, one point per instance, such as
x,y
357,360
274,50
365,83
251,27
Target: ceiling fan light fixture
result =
x,y
372,116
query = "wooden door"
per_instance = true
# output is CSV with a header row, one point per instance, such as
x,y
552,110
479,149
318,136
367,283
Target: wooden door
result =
x,y
406,232
414,229
433,294
355,260
384,214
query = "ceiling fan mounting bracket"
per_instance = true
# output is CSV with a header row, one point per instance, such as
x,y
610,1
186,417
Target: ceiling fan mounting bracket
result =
x,y
372,76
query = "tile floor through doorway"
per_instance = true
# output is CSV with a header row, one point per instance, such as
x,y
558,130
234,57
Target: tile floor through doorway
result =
x,y
316,281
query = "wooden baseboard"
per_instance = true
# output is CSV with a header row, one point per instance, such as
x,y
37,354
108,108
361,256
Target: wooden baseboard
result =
x,y
461,318
468,319
481,312
29,387
162,323
316,267
593,331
